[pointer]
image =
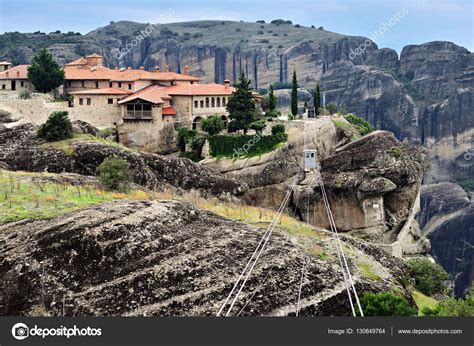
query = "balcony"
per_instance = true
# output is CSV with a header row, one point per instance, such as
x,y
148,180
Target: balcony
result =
x,y
138,112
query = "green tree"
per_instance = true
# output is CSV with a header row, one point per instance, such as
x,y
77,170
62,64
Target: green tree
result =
x,y
241,106
57,127
429,277
332,108
385,304
317,99
294,95
114,174
362,126
44,72
213,125
272,99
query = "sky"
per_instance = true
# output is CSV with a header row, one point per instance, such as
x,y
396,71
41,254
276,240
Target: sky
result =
x,y
422,20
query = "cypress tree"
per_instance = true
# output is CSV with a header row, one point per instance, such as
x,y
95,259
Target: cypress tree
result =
x,y
317,99
271,99
294,95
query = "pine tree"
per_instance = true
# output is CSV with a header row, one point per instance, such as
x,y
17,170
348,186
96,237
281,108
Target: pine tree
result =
x,y
294,95
272,100
241,106
44,72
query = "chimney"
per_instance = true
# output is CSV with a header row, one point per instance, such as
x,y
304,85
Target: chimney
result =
x,y
186,70
226,83
142,67
129,68
8,72
167,68
18,73
157,68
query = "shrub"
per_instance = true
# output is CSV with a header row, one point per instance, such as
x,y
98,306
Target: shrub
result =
x,y
273,113
332,108
260,32
57,127
238,29
452,307
114,174
213,125
184,136
429,277
258,126
386,304
24,94
362,126
278,128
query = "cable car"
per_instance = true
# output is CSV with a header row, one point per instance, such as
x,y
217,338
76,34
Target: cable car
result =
x,y
310,159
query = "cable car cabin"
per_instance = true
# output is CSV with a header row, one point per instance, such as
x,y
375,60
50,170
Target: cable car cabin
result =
x,y
310,161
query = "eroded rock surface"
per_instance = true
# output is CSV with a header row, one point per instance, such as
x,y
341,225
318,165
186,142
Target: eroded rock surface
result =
x,y
167,258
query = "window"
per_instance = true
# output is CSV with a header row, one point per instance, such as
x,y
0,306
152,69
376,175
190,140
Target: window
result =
x,y
83,84
22,83
201,104
207,102
89,101
110,84
130,86
218,102
110,101
223,102
119,84
3,86
196,104
81,101
69,83
213,102
97,85
139,110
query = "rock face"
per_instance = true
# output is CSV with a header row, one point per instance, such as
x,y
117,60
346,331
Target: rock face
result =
x,y
166,258
21,149
447,219
372,183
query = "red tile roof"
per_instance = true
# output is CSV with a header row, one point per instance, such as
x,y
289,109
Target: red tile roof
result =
x,y
102,91
152,93
78,62
200,89
17,72
168,111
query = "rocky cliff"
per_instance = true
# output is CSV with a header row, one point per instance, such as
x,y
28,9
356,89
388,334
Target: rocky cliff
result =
x,y
21,149
167,258
447,219
372,183
425,95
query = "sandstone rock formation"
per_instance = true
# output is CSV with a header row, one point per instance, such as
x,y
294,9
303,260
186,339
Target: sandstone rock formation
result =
x,y
21,149
447,219
167,258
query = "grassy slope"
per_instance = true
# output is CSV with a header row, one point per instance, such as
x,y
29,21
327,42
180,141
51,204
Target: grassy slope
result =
x,y
23,198
423,301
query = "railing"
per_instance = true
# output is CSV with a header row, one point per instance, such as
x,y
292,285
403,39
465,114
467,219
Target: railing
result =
x,y
139,115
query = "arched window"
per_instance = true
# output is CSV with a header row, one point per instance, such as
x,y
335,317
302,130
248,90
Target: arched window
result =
x,y
207,102
223,102
213,102
218,102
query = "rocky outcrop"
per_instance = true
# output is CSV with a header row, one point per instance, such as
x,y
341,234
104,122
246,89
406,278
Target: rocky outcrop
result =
x,y
372,183
447,219
167,258
21,149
